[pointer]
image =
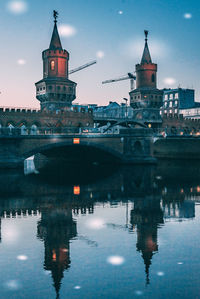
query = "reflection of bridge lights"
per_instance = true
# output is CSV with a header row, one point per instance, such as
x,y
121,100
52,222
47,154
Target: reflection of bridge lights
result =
x,y
76,190
76,140
182,191
198,188
191,189
149,125
54,255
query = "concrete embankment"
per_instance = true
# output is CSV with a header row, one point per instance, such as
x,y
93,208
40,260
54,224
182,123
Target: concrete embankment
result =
x,y
177,148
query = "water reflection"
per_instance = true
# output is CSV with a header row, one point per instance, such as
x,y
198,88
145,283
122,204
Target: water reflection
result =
x,y
152,195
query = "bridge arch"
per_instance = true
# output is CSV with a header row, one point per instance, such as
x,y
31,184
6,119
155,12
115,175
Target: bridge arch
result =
x,y
83,150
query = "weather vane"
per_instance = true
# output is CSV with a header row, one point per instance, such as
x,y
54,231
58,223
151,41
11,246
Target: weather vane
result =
x,y
55,14
146,32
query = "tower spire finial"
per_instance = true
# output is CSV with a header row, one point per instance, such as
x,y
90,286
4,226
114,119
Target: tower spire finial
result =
x,y
146,32
55,15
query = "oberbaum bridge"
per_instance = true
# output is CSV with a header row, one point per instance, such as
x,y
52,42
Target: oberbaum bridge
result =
x,y
60,130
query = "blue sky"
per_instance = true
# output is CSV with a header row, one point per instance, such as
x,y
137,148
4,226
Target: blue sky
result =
x,y
115,28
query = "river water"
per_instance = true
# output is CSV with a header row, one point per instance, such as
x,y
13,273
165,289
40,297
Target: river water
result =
x,y
99,232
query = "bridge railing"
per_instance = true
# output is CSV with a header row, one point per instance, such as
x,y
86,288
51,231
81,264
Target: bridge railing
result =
x,y
176,132
13,131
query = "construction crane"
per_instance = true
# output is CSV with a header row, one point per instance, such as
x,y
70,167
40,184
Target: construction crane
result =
x,y
129,76
82,67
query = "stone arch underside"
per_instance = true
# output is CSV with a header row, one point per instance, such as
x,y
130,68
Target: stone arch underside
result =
x,y
84,152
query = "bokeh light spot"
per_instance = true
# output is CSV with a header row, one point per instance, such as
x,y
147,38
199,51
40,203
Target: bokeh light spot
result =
x,y
67,30
13,285
21,61
95,223
17,7
169,81
187,15
22,257
115,260
100,54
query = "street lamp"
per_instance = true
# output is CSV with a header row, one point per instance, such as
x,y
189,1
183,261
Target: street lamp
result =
x,y
126,114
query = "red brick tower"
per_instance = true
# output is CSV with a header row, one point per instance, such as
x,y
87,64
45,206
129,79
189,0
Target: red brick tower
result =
x,y
146,99
146,70
55,91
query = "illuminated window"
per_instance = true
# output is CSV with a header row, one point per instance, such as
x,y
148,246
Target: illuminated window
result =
x,y
76,190
165,111
170,104
52,65
76,140
166,97
170,111
176,103
175,110
171,96
176,96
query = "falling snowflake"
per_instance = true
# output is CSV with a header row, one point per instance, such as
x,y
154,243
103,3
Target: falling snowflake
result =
x,y
187,15
67,30
17,7
169,81
77,287
13,285
100,54
160,273
21,61
95,223
22,257
115,260
120,12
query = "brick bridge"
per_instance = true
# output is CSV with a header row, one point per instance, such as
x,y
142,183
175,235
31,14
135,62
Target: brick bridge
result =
x,y
124,146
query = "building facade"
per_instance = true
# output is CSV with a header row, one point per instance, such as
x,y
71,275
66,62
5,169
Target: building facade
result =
x,y
174,100
146,99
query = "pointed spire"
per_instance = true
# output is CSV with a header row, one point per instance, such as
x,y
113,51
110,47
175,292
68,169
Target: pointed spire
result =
x,y
55,43
146,57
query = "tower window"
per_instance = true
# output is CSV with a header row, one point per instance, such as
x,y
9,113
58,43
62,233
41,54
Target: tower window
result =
x,y
52,65
153,78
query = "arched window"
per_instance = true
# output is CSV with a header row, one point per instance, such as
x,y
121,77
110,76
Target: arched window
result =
x,y
52,65
153,78
34,130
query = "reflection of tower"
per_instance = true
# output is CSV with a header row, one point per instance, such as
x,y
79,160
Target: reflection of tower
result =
x,y
147,215
55,91
56,228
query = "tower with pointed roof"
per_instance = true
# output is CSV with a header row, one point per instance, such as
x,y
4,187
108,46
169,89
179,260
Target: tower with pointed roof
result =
x,y
146,99
55,91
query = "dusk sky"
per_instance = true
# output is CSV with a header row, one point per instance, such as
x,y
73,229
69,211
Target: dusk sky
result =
x,y
111,32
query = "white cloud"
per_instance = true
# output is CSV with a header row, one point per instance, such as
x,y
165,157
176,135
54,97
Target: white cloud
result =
x,y
100,54
115,260
169,81
187,15
17,7
67,30
21,61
